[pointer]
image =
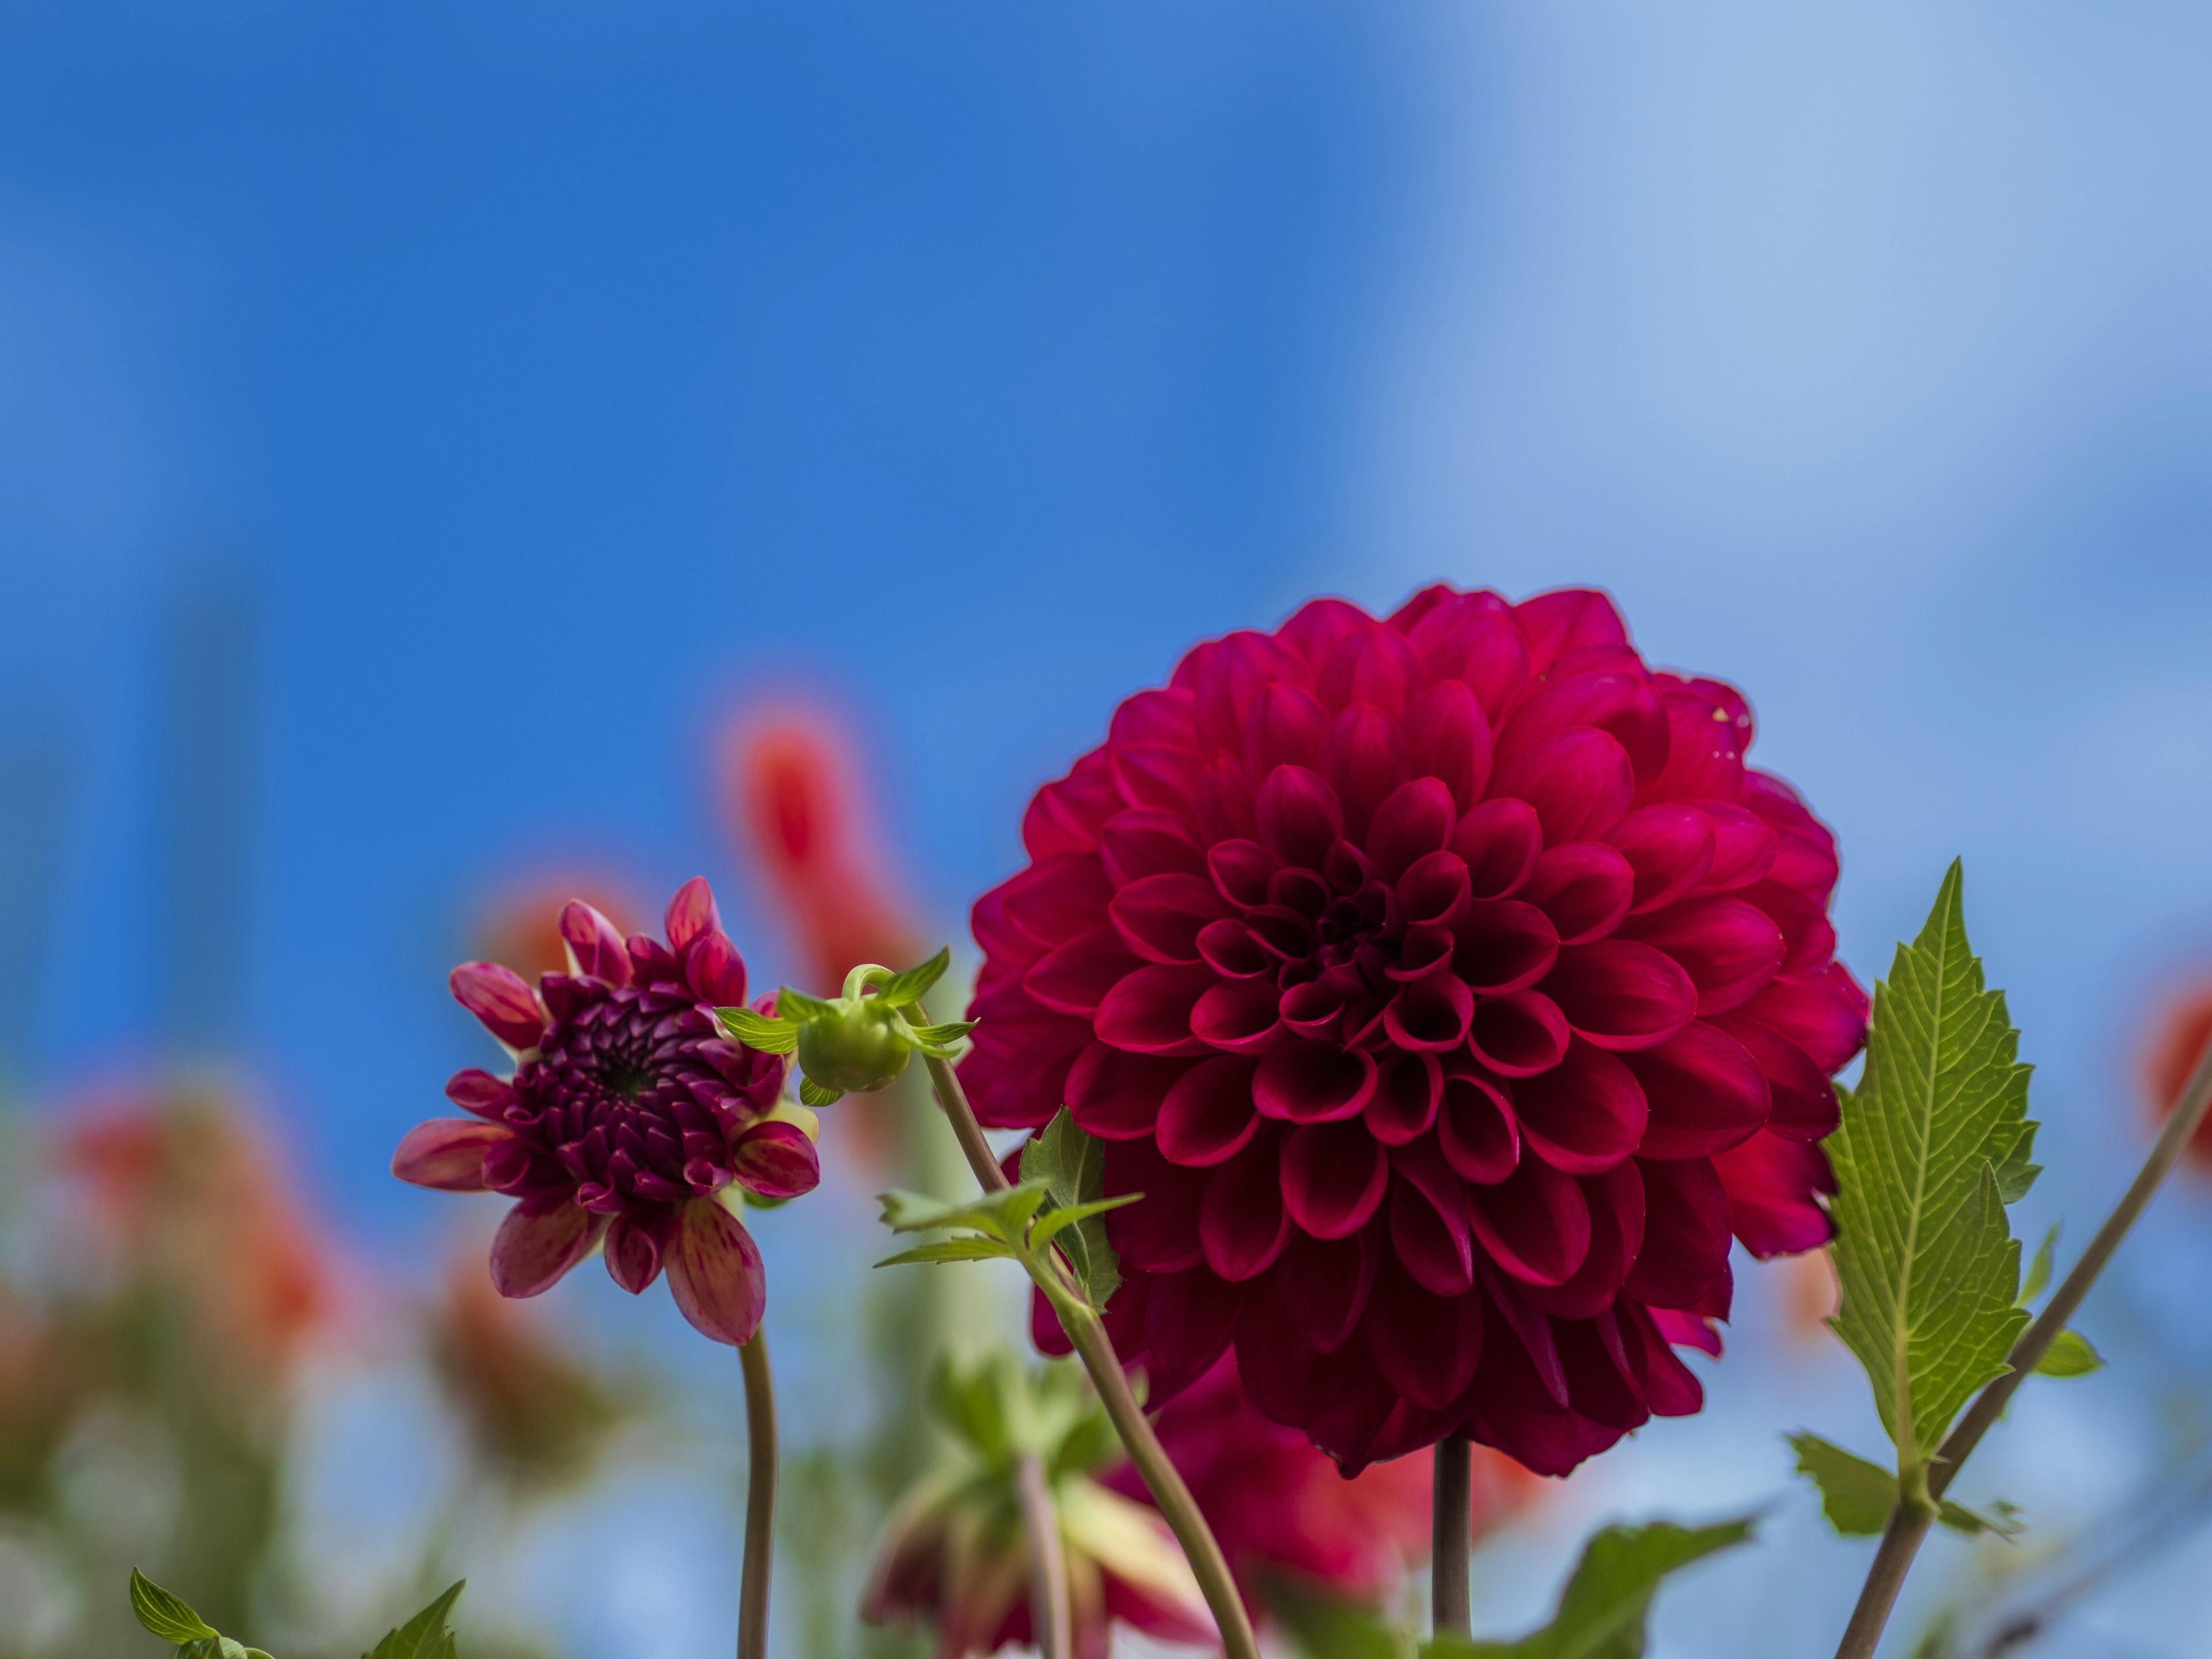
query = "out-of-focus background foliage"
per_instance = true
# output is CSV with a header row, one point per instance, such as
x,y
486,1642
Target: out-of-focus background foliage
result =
x,y
429,432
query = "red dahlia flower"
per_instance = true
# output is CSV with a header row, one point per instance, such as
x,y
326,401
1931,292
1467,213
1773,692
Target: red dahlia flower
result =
x,y
628,1116
1452,990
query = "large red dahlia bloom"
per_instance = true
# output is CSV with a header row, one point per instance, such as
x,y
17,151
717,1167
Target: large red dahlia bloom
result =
x,y
1453,991
627,1116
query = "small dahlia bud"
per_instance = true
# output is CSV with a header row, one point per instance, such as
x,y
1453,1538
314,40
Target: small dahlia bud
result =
x,y
856,1044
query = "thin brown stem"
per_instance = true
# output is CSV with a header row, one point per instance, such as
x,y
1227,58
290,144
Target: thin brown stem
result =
x,y
1050,1614
1901,1542
760,1499
1177,1507
1451,1535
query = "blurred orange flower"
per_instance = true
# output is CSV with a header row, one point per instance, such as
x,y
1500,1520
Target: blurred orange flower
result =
x,y
520,923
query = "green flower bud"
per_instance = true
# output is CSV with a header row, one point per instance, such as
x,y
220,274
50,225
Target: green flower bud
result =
x,y
860,1045
857,1042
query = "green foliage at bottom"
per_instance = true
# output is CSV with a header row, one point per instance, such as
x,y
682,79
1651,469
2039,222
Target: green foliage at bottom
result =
x,y
426,1636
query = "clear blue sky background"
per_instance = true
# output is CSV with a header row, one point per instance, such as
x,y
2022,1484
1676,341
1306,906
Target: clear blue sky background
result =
x,y
562,372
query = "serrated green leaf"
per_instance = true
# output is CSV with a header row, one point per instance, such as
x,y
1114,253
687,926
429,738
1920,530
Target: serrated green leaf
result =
x,y
797,1005
1050,1225
1072,1162
1932,1140
953,1250
770,1036
913,985
2069,1355
811,1093
2002,1518
425,1636
169,1616
1856,1496
1608,1598
1003,1214
2038,1268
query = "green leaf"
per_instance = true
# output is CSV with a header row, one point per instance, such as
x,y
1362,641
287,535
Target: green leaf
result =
x,y
1050,1225
796,1005
1856,1496
2002,1518
2038,1268
811,1093
168,1616
1603,1610
953,1250
941,1040
1071,1163
1933,1140
218,1647
1324,1626
425,1636
770,1036
1002,1215
913,985
2071,1355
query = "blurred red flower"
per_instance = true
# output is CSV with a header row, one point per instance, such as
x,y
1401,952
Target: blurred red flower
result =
x,y
2176,1042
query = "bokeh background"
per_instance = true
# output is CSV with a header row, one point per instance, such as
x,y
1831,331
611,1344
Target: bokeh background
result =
x,y
428,431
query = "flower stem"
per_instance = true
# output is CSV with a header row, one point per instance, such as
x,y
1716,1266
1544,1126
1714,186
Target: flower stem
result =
x,y
1909,1524
1049,1615
1177,1507
760,1499
1450,1526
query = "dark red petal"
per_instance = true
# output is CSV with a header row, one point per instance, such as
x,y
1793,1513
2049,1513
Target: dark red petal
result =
x,y
1045,1329
1306,1082
1729,949
1621,994
1808,938
1287,726
1705,1092
1189,1319
1804,1101
447,1153
1059,897
1668,1387
1519,1035
1242,1221
714,970
1143,841
1117,1096
1584,1115
1168,716
1616,1211
1232,950
1535,1224
635,1243
1207,1117
691,914
1578,781
594,944
1240,870
1669,849
478,1091
541,1239
502,999
1569,619
1476,1130
1770,1182
1686,1232
1064,817
1407,1089
1074,978
777,1160
1159,1232
1430,1016
1828,1021
1157,774
1240,1015
1158,917
1744,845
1366,761
1320,626
1584,887
1228,675
1429,1220
1710,728
1371,664
1447,738
1473,638
1499,843
1425,1344
1285,1377
1034,1082
1298,816
1415,819
1600,1383
1326,1283
1149,1012
1618,701
1503,944
1526,1365
1334,1176
1435,892
1689,1329
714,1272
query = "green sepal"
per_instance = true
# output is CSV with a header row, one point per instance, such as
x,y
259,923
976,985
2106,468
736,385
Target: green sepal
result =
x,y
166,1615
1072,1164
770,1036
1856,1496
2069,1355
811,1093
911,986
796,1005
953,1250
941,1041
2038,1268
426,1635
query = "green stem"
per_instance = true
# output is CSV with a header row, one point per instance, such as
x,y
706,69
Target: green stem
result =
x,y
1909,1524
1177,1507
760,1499
1451,1524
1051,1619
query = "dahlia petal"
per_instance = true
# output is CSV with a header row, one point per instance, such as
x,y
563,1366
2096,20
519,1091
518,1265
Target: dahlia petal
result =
x,y
1530,1365
1473,638
542,1238
1551,1443
715,1273
1155,775
1499,843
1744,845
1618,701
475,1090
1584,1115
1828,1022
714,970
1158,1233
1535,1224
1149,1012
502,999
1190,1319
1045,1327
447,1153
1616,1211
1584,886
1686,1232
1578,781
651,963
1242,1222
1063,816
1476,1130
594,944
1240,1015
1408,1089
1306,1082
1621,994
1156,716
1032,1086
1314,1010
1429,1230
776,1159
1228,800
635,1242
1770,1183
1430,1016
1415,819
1371,665
1287,726
1333,1278
1349,1430
1669,849
1518,1034
1668,1386
1729,949
1334,1177
1227,677
1426,1346
1568,619
1240,870
1805,1106
1232,950
1318,626
1286,1377
1158,917
1366,761
1424,949
1207,1117
1502,946
514,1166
1059,897
1710,727
1447,739
1691,1330
1117,1096
1300,817
1705,1091
1143,841
1435,892
1808,938
1075,977
691,913
1598,1386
